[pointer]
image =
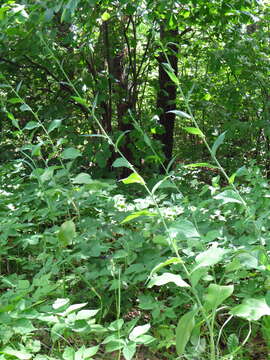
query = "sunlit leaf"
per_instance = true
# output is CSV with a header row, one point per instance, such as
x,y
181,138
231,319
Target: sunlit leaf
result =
x,y
181,114
229,196
167,278
137,214
138,331
210,257
133,178
251,309
194,131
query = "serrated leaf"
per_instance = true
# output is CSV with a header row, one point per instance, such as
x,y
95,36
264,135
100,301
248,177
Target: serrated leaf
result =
x,y
167,278
55,124
184,330
194,131
70,154
82,178
138,331
133,178
216,294
67,233
251,309
218,142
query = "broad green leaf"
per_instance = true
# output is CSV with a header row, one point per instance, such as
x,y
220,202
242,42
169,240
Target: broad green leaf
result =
x,y
218,142
121,162
216,294
80,100
13,120
69,353
251,309
229,196
184,330
194,131
181,114
60,303
25,107
133,178
116,325
55,124
23,326
105,16
15,101
129,350
115,345
144,339
31,125
138,331
86,314
22,354
67,233
70,153
75,307
89,352
136,215
210,257
82,178
36,150
183,229
232,342
170,261
167,278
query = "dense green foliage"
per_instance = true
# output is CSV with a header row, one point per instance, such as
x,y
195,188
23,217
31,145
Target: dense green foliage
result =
x,y
134,191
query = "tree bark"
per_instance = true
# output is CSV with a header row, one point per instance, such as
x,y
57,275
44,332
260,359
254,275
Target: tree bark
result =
x,y
166,97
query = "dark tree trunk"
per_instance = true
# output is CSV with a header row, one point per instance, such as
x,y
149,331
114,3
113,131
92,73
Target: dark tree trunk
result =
x,y
166,97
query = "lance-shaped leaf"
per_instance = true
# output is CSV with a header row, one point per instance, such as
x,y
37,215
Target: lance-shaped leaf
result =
x,y
217,143
184,330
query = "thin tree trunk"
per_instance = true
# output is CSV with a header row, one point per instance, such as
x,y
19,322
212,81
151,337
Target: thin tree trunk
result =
x,y
166,97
